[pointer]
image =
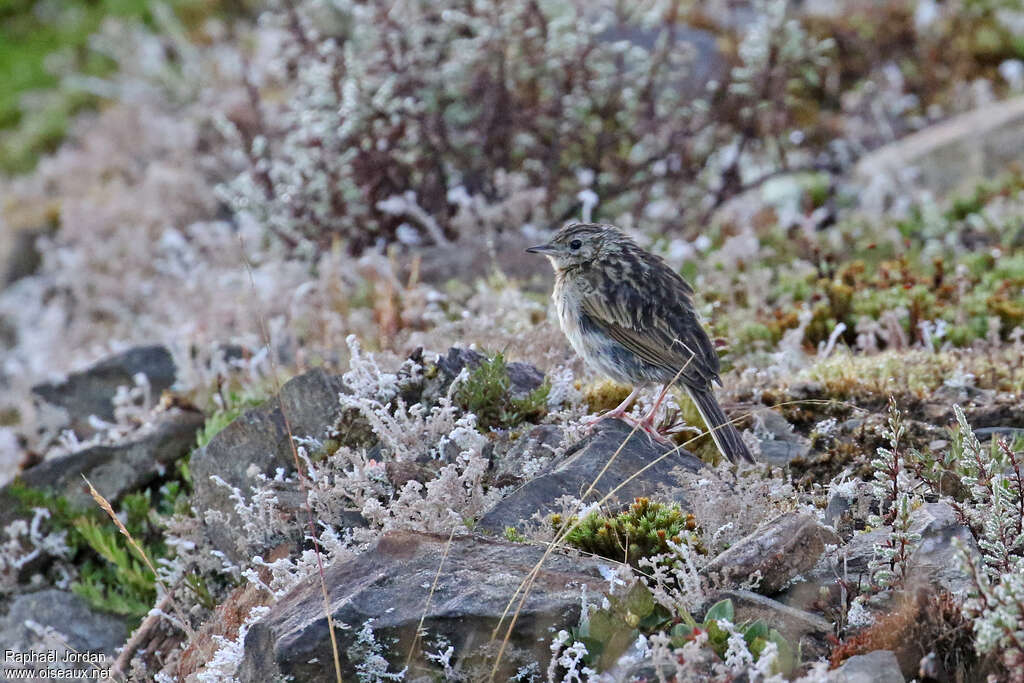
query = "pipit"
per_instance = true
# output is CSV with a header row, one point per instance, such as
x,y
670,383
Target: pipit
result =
x,y
631,317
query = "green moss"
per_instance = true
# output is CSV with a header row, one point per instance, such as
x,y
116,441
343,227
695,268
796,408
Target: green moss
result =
x,y
487,394
643,530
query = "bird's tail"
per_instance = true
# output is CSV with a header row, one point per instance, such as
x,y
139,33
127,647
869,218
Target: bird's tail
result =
x,y
726,437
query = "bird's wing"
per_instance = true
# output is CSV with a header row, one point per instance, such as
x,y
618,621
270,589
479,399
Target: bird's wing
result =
x,y
659,325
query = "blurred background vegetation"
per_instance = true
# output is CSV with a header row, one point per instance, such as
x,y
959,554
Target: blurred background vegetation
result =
x,y
43,41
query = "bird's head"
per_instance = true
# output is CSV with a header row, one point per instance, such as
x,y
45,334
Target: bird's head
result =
x,y
579,243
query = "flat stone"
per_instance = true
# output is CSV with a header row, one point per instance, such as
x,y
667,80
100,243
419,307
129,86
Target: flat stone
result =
x,y
390,584
780,549
582,464
880,666
113,469
82,628
950,155
91,391
778,452
1006,433
805,632
258,441
849,506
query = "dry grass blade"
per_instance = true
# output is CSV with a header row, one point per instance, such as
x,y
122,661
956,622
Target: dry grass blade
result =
x,y
106,507
303,483
567,528
430,596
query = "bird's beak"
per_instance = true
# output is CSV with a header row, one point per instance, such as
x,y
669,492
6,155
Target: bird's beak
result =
x,y
543,249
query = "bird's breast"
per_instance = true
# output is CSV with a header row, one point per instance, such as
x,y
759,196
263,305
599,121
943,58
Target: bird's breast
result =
x,y
592,344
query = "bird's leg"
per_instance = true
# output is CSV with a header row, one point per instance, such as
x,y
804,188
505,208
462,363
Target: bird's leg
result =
x,y
647,421
618,411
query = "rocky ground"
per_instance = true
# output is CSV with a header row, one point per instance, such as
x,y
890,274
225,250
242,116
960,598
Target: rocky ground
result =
x,y
343,437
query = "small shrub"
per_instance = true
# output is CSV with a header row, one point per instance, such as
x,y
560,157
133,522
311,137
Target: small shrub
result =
x,y
487,394
643,530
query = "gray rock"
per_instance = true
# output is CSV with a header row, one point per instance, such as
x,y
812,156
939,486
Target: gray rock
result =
x,y
523,377
849,506
780,549
777,452
90,392
937,559
115,469
83,629
1006,433
22,258
259,439
880,666
583,463
935,562
779,443
530,455
390,584
805,632
950,155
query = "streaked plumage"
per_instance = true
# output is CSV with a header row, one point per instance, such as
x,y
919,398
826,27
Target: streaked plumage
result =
x,y
630,316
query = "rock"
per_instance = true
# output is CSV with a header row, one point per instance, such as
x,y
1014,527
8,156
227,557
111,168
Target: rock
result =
x,y
523,377
390,584
879,666
780,549
937,558
777,452
258,441
950,155
114,469
91,391
849,505
805,632
22,258
1009,434
779,443
581,466
81,629
530,455
935,562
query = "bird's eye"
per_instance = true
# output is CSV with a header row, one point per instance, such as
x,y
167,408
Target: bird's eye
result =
x,y
575,244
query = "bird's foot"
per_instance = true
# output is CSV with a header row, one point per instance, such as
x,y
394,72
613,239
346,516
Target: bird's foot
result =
x,y
591,422
645,425
651,430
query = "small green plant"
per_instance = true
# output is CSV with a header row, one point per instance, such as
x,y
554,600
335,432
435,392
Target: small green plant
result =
x,y
235,405
609,631
487,394
111,578
757,635
123,585
643,530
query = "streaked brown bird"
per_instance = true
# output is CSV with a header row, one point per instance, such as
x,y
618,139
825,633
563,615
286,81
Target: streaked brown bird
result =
x,y
630,316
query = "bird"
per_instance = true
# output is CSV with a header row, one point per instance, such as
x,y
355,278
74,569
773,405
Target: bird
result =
x,y
630,316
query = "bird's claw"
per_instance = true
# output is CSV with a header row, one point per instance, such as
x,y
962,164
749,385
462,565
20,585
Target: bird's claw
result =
x,y
645,425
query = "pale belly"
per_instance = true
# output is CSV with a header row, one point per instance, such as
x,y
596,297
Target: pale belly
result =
x,y
598,350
